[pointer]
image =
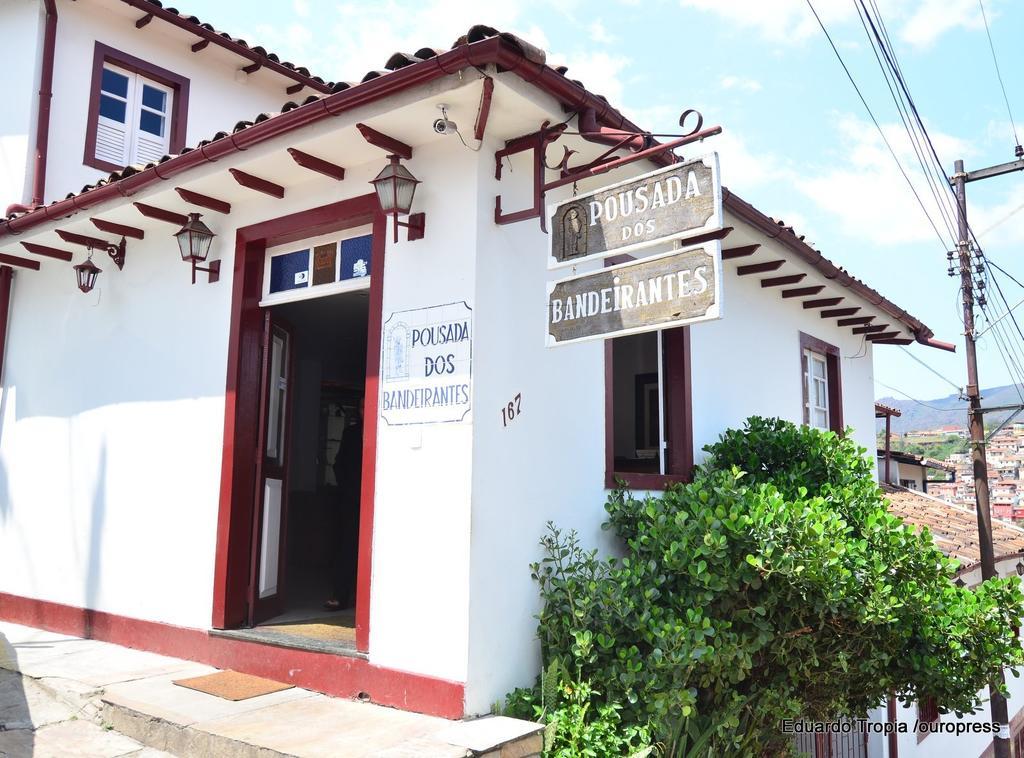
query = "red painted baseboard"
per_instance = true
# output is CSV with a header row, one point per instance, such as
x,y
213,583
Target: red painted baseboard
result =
x,y
336,675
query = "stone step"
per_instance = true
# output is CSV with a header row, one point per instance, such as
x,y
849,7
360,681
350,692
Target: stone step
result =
x,y
297,723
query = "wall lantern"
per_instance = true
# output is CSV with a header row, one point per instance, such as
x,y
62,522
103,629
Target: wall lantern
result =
x,y
194,240
86,273
1020,568
395,187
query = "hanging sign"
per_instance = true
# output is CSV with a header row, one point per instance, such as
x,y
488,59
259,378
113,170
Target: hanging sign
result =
x,y
426,362
661,291
681,200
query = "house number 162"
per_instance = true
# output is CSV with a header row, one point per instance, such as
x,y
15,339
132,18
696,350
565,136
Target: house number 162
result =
x,y
513,409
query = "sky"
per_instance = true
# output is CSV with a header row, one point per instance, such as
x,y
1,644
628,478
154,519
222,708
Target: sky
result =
x,y
797,141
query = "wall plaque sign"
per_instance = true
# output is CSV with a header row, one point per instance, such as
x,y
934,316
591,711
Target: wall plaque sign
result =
x,y
426,365
681,200
680,287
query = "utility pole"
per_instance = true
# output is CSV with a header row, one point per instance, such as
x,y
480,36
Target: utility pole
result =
x,y
997,703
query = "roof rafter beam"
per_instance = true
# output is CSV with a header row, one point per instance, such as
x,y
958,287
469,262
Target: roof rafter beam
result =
x,y
383,141
742,251
200,45
854,321
778,281
759,268
83,239
836,312
319,165
203,201
257,183
122,229
14,260
801,291
144,21
882,336
160,214
823,302
49,252
870,328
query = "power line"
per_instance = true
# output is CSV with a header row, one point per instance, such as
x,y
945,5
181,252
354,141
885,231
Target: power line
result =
x,y
958,409
875,121
999,76
955,386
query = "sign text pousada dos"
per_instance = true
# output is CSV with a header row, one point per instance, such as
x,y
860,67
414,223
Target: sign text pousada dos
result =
x,y
681,200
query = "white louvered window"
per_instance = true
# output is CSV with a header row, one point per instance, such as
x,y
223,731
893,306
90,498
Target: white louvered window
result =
x,y
816,390
134,118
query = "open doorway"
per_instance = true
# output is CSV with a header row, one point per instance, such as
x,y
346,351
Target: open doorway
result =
x,y
317,374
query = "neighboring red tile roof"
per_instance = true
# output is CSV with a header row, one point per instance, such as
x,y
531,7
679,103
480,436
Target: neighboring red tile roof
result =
x,y
953,527
882,410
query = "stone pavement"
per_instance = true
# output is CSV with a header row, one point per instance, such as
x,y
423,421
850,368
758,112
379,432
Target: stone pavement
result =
x,y
76,697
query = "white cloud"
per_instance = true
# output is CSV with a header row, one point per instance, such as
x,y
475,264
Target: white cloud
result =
x,y
778,20
919,22
740,83
301,8
600,34
933,18
865,191
599,71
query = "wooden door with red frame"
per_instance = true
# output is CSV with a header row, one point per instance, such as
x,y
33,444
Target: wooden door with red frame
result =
x,y
269,537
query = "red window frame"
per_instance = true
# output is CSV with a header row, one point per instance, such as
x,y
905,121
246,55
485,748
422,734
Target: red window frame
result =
x,y
103,54
835,380
678,416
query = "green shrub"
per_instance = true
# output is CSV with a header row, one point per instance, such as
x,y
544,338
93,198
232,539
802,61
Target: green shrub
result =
x,y
776,585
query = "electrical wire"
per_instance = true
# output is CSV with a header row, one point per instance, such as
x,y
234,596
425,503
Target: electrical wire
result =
x,y
881,47
958,409
950,382
999,75
871,113
1006,344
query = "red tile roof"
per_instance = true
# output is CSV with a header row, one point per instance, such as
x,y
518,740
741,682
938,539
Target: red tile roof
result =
x,y
481,45
954,528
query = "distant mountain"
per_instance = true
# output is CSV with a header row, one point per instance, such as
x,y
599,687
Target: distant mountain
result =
x,y
948,410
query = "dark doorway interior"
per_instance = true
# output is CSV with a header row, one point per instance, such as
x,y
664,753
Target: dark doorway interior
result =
x,y
320,534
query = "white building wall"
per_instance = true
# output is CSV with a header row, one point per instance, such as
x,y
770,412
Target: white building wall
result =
x,y
549,463
22,28
109,492
419,605
111,424
218,95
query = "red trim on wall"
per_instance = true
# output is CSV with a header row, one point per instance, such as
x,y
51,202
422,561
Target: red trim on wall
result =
x,y
336,675
678,416
241,412
6,277
179,107
835,379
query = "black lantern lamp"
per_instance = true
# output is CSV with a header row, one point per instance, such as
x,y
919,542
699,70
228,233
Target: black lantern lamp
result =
x,y
1020,568
194,240
396,187
86,273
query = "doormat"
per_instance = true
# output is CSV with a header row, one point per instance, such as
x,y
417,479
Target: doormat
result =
x,y
231,685
337,628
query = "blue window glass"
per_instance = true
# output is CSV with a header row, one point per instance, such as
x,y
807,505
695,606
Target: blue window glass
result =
x,y
152,123
289,271
114,83
154,98
112,108
355,257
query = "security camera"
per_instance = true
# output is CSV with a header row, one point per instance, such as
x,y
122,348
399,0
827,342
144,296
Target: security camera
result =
x,y
444,125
